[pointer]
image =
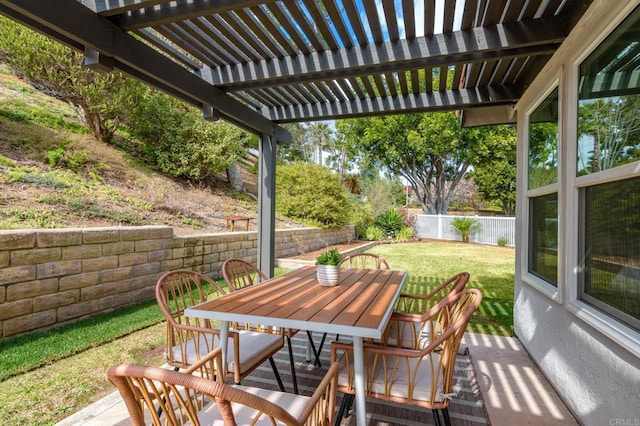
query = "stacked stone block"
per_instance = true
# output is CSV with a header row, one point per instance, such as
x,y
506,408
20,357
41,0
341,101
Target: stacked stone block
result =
x,y
49,277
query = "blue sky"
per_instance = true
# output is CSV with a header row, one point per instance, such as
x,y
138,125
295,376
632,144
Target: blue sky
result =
x,y
419,14
418,11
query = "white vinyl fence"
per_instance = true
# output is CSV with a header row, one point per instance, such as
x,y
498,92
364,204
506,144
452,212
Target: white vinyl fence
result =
x,y
493,228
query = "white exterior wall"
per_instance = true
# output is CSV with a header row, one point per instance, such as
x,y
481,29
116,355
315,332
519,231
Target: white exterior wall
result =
x,y
591,360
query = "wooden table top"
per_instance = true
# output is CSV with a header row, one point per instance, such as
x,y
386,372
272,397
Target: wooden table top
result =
x,y
360,305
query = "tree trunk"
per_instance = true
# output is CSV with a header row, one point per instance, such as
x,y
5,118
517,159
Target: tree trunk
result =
x,y
234,177
92,121
98,125
595,162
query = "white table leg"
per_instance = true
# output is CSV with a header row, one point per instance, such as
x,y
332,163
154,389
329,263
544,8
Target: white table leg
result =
x,y
224,342
358,364
309,351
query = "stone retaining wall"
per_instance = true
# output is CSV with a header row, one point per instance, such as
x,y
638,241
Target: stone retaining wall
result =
x,y
50,277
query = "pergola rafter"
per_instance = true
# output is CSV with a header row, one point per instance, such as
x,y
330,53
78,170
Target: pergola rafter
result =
x,y
520,39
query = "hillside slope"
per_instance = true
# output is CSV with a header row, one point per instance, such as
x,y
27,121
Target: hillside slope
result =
x,y
94,184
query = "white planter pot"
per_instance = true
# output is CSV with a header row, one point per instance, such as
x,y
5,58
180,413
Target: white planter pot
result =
x,y
328,275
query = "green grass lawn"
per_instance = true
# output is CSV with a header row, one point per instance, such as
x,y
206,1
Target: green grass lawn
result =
x,y
491,270
46,376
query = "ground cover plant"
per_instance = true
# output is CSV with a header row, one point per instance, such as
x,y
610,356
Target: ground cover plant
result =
x,y
55,174
69,375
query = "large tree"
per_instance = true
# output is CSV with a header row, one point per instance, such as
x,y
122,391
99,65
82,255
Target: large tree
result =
x,y
494,169
102,99
309,142
611,128
430,151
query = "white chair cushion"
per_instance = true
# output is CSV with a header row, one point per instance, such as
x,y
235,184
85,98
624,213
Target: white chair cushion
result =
x,y
293,404
412,334
253,347
400,386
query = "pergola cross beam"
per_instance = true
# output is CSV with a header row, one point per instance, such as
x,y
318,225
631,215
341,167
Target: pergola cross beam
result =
x,y
433,101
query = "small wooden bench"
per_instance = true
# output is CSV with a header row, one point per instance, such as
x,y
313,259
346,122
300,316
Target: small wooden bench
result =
x,y
234,219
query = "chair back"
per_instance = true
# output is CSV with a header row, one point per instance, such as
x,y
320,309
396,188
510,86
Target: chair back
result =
x,y
409,324
239,274
168,397
364,261
175,292
421,304
448,328
182,398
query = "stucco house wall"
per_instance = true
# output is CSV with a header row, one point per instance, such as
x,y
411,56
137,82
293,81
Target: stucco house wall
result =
x,y
593,362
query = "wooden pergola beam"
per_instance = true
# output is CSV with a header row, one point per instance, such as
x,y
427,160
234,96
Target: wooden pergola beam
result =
x,y
432,101
529,38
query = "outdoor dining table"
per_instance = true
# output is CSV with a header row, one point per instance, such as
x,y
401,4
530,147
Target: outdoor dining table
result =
x,y
359,306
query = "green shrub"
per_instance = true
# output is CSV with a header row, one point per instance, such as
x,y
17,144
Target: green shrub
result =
x,y
503,241
391,221
404,234
76,159
65,156
312,194
177,141
374,233
362,218
466,226
55,156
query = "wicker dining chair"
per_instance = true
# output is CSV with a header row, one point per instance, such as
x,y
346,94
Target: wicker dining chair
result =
x,y
190,339
421,376
365,261
409,322
165,397
239,274
418,304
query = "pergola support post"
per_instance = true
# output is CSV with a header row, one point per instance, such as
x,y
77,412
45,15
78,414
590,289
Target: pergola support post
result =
x,y
266,204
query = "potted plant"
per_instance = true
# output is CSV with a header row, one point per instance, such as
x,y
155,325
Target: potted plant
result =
x,y
328,269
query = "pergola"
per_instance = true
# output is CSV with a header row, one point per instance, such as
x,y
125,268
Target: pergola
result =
x,y
257,63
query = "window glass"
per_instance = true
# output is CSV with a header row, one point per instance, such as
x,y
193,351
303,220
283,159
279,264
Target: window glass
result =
x,y
543,142
609,101
543,237
610,269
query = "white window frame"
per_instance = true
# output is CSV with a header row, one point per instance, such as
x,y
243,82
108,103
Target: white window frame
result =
x,y
540,284
618,331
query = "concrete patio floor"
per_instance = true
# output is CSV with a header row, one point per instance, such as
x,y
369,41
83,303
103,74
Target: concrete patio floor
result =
x,y
513,388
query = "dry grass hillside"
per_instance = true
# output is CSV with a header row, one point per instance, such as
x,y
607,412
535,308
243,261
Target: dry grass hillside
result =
x,y
98,184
